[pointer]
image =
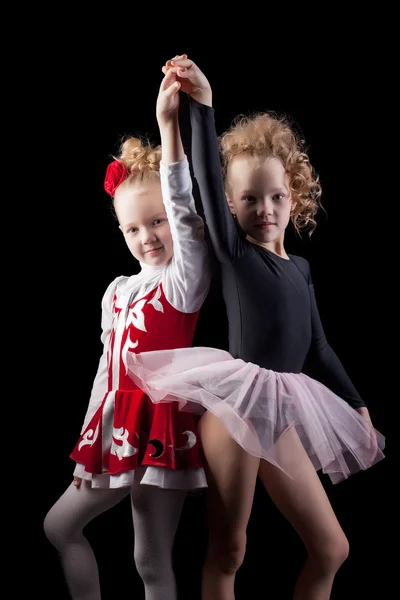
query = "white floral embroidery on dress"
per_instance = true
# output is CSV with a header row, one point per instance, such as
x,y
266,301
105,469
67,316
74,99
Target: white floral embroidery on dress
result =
x,y
124,450
127,347
136,316
87,439
155,301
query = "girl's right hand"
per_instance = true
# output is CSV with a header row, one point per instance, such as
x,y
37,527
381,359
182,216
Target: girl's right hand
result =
x,y
168,99
192,80
77,481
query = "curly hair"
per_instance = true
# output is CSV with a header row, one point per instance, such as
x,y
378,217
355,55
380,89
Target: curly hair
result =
x,y
141,159
266,135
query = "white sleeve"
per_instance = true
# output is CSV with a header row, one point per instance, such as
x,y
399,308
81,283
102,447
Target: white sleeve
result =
x,y
100,384
186,279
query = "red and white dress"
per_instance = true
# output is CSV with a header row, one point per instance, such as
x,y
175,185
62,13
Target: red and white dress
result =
x,y
125,435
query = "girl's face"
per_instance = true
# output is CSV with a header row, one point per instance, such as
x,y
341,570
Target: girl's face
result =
x,y
143,222
260,197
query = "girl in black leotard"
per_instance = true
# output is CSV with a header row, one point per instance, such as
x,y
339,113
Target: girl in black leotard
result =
x,y
265,416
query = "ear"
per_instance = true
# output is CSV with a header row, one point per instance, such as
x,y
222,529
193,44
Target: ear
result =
x,y
230,204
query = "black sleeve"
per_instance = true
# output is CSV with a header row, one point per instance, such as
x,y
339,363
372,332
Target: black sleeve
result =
x,y
322,362
226,242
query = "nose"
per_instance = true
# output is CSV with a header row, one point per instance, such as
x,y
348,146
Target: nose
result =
x,y
265,207
148,236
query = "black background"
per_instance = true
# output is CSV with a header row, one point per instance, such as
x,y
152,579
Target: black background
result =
x,y
91,93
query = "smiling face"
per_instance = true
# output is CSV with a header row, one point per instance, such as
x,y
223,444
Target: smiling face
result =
x,y
258,194
143,221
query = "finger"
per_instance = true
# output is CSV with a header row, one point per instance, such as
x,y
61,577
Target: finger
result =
x,y
182,62
179,56
168,79
165,69
178,71
77,481
183,73
172,90
173,69
186,62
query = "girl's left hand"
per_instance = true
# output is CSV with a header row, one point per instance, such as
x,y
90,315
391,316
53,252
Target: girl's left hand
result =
x,y
364,412
168,99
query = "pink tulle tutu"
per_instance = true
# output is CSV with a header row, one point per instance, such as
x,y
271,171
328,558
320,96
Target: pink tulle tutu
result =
x,y
259,407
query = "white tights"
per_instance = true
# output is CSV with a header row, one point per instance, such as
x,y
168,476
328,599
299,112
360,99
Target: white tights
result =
x,y
155,514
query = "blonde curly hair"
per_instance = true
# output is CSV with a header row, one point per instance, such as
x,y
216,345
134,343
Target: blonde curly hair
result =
x,y
142,160
266,135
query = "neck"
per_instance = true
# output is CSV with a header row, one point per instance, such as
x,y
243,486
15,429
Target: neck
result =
x,y
277,246
149,268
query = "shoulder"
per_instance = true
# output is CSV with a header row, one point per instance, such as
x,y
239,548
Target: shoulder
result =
x,y
302,263
299,260
116,284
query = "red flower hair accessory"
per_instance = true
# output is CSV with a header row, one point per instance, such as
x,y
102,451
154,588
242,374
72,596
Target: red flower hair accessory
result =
x,y
116,173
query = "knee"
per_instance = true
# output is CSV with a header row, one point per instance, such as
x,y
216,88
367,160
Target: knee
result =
x,y
226,553
332,555
54,529
50,528
151,568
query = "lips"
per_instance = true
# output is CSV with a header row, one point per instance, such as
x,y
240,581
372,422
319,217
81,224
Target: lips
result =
x,y
153,250
265,224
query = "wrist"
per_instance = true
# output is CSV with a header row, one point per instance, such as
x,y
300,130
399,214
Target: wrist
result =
x,y
203,97
168,123
169,129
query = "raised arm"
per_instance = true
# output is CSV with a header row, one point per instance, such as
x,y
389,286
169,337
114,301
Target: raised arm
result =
x,y
187,278
225,239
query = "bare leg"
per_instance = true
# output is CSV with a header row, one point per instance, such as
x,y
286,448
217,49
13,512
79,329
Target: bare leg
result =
x,y
303,501
63,527
231,475
156,513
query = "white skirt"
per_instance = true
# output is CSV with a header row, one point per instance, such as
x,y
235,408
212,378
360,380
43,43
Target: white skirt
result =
x,y
258,407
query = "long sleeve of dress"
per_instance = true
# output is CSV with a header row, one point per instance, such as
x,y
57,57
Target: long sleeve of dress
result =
x,y
186,279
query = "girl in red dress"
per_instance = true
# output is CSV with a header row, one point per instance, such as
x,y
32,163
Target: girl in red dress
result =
x,y
129,444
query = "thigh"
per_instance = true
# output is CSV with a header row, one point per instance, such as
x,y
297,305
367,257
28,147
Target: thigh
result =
x,y
79,505
300,497
156,511
231,477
